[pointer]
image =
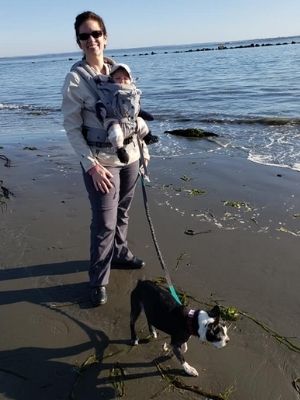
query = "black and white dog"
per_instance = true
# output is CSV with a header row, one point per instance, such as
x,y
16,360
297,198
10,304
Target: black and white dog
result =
x,y
164,313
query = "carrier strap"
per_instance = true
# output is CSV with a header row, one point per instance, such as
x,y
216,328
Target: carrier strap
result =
x,y
89,75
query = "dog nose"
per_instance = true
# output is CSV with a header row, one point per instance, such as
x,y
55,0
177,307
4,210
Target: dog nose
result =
x,y
227,340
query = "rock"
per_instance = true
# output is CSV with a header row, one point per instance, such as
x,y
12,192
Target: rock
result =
x,y
192,133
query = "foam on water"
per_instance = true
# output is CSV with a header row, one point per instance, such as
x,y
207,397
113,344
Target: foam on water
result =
x,y
27,107
267,160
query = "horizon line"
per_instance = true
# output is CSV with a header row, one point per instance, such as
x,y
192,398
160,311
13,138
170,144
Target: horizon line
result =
x,y
152,46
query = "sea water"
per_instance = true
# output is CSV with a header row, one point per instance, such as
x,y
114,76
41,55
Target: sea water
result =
x,y
248,96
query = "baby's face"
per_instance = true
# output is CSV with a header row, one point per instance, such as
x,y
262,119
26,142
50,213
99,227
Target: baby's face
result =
x,y
121,77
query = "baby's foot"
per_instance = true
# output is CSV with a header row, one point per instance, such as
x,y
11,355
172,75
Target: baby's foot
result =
x,y
150,139
123,155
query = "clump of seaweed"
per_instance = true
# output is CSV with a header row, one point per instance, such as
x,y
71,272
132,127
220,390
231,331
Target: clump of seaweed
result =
x,y
185,178
117,376
91,360
229,313
195,192
5,194
237,204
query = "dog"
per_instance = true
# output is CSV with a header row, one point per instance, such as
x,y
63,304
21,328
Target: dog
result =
x,y
164,313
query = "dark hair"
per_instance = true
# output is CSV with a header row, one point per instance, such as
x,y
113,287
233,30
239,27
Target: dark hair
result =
x,y
86,15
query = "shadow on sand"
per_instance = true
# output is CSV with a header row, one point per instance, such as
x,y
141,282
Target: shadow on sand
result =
x,y
49,372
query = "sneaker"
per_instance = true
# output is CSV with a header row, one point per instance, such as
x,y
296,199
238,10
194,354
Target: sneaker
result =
x,y
98,296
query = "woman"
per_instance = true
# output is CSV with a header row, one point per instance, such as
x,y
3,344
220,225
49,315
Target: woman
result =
x,y
109,183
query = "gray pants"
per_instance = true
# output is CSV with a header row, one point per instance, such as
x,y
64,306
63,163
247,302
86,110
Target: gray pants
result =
x,y
109,224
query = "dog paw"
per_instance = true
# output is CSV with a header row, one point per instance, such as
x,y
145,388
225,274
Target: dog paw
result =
x,y
134,342
189,369
154,334
166,347
184,347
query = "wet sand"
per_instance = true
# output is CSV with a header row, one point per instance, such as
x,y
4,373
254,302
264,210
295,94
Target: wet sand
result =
x,y
245,257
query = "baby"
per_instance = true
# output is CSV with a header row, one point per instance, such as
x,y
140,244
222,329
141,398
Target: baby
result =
x,y
119,108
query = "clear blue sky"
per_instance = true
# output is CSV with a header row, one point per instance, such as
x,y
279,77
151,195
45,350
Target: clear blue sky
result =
x,y
46,26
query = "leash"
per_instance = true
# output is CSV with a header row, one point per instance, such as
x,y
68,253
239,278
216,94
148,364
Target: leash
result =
x,y
145,177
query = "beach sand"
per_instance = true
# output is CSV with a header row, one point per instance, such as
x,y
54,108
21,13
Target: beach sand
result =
x,y
246,257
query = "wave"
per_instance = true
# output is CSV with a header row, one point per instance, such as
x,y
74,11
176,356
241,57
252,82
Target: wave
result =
x,y
275,121
28,108
256,120
267,160
270,121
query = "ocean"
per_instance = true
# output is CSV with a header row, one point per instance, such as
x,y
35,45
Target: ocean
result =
x,y
248,96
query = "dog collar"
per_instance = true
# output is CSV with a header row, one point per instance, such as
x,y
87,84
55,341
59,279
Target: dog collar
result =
x,y
192,322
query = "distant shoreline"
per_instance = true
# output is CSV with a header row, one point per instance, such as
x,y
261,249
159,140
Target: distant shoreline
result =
x,y
220,47
208,46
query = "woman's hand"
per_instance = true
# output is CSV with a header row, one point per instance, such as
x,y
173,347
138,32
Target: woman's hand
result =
x,y
144,164
101,178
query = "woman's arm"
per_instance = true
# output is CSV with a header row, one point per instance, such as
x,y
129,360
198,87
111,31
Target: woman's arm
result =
x,y
72,106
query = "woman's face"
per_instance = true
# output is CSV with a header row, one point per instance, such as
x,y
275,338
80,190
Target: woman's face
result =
x,y
92,46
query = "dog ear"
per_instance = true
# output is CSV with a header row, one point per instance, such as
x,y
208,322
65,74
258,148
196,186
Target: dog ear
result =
x,y
215,312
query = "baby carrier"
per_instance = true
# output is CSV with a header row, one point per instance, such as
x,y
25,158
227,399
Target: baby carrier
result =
x,y
114,102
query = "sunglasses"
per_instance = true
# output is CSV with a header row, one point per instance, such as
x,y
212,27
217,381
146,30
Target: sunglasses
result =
x,y
86,36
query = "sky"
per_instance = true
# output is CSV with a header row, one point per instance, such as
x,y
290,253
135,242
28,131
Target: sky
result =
x,y
30,27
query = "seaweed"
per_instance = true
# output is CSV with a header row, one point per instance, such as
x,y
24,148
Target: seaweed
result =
x,y
191,232
237,204
195,192
283,229
280,338
5,194
175,382
6,159
229,313
117,376
179,258
185,178
296,384
29,148
91,360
